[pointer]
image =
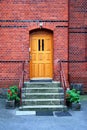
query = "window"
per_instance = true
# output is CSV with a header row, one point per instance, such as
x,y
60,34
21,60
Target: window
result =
x,y
40,45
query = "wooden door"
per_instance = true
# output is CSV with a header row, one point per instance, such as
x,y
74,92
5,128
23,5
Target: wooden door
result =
x,y
41,53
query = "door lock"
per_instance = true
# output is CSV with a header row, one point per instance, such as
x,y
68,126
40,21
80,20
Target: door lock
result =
x,y
30,57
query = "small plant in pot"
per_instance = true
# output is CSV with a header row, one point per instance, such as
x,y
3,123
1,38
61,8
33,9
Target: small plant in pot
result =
x,y
73,97
12,97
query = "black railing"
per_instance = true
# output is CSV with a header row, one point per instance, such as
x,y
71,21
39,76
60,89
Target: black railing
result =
x,y
76,73
12,72
63,80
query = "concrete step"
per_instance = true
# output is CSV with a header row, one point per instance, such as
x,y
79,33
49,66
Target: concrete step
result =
x,y
42,89
43,107
41,84
42,101
42,95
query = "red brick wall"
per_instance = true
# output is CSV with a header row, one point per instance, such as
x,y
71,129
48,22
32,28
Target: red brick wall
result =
x,y
34,9
77,41
77,29
60,49
19,17
14,45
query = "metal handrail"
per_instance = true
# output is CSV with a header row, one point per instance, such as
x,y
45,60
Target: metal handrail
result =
x,y
62,76
21,80
63,81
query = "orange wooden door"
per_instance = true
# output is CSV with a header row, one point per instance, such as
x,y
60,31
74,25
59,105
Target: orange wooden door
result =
x,y
41,54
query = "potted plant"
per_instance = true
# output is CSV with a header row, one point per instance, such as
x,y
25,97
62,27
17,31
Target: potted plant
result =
x,y
73,97
12,97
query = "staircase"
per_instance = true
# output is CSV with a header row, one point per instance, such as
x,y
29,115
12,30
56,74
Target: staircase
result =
x,y
42,96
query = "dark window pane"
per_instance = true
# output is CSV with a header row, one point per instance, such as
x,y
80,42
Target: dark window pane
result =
x,y
39,45
42,44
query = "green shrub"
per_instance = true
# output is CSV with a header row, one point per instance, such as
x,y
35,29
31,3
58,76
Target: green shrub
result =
x,y
12,93
73,96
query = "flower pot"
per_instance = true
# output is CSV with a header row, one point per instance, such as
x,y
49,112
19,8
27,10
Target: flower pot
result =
x,y
68,104
76,106
17,103
10,104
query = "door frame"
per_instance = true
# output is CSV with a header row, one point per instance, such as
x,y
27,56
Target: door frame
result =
x,y
36,32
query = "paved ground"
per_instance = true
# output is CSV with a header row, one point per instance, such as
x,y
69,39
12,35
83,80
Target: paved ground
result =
x,y
10,121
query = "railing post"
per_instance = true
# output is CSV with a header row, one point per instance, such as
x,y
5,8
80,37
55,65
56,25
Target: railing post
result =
x,y
62,80
60,71
23,73
21,82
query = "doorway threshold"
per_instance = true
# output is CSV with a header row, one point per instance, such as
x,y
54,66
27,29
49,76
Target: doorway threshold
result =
x,y
41,80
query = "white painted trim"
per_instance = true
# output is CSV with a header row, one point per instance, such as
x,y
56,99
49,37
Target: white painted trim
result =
x,y
25,112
